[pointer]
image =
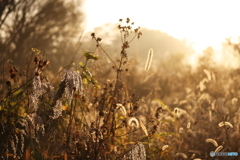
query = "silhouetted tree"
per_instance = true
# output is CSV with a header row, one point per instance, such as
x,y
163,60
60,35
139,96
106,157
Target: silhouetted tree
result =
x,y
50,26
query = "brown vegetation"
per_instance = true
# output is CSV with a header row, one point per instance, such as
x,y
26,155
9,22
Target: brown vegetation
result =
x,y
76,116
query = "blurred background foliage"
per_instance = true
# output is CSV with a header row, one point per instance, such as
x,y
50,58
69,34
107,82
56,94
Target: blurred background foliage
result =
x,y
51,26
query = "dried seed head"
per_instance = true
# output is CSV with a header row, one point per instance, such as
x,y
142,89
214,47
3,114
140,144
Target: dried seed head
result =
x,y
188,125
73,81
154,129
210,115
209,140
175,110
128,20
181,155
169,118
36,59
8,83
122,108
149,60
137,152
143,127
133,120
180,130
46,62
159,110
218,148
234,100
208,74
178,112
221,124
93,35
86,147
165,147
193,155
101,114
115,149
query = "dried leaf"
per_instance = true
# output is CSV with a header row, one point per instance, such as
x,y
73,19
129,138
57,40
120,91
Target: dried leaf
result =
x,y
208,74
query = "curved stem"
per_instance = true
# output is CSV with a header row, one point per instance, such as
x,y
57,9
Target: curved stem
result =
x,y
132,39
13,91
104,50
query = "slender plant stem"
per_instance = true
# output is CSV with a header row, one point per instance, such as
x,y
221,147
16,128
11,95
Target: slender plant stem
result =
x,y
13,91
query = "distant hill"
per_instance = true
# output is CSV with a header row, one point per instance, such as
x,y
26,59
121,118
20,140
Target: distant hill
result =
x,y
163,44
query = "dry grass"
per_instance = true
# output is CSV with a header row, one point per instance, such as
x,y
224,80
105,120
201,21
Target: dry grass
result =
x,y
76,117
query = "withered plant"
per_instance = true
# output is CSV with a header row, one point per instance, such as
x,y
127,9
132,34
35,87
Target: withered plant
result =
x,y
79,118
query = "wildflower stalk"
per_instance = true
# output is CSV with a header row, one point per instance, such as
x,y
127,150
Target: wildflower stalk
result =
x,y
15,90
29,64
109,120
27,76
3,78
99,45
148,63
70,122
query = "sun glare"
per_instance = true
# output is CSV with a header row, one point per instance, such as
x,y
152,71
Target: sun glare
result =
x,y
204,23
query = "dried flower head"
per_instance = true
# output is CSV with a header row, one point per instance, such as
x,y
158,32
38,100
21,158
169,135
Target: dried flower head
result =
x,y
184,156
73,82
209,140
149,60
165,147
188,125
208,74
143,127
137,152
158,111
218,148
224,123
180,130
133,121
128,20
121,108
178,112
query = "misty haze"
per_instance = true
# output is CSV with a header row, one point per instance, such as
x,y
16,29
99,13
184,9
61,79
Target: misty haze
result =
x,y
97,80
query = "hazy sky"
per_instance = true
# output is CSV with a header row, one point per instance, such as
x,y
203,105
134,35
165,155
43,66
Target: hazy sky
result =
x,y
204,22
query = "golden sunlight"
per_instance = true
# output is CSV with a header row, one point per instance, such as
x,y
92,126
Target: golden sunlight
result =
x,y
202,23
119,79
